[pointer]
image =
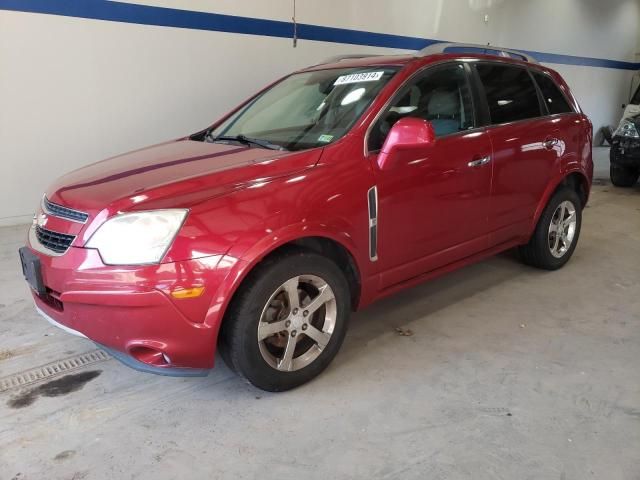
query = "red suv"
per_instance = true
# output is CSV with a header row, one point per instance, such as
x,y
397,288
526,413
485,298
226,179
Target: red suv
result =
x,y
331,188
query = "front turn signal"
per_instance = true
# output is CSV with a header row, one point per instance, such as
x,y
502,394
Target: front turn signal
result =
x,y
192,292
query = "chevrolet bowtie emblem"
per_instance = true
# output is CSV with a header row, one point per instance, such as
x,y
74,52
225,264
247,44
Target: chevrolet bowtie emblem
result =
x,y
40,220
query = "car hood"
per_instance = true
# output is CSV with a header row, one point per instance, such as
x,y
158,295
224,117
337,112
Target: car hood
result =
x,y
172,175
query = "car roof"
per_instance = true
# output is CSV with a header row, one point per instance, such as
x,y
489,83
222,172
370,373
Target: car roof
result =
x,y
353,61
372,61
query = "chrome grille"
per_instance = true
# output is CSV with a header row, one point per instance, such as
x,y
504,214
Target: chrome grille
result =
x,y
54,241
63,212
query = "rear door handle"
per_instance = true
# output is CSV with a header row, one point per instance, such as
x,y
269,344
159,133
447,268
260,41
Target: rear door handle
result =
x,y
550,142
480,161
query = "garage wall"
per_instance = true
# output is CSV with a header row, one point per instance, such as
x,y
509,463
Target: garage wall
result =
x,y
76,90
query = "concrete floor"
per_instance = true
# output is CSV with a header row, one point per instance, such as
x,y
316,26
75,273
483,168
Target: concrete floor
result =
x,y
511,373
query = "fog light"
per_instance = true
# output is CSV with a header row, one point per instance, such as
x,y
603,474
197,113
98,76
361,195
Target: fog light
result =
x,y
150,356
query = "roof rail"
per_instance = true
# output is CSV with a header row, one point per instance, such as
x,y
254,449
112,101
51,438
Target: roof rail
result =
x,y
442,47
339,58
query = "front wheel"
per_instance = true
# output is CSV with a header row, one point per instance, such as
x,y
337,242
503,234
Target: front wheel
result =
x,y
556,235
287,322
623,176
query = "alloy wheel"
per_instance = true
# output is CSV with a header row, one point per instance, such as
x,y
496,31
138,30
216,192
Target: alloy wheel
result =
x,y
297,322
562,229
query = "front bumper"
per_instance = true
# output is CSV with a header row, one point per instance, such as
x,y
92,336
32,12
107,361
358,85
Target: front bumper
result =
x,y
625,152
131,312
131,362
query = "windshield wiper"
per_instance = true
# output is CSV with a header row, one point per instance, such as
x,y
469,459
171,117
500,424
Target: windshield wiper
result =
x,y
246,140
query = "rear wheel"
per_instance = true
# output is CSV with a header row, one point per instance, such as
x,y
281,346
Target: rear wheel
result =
x,y
288,321
623,176
556,235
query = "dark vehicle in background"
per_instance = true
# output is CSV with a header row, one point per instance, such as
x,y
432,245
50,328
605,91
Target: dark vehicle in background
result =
x,y
625,145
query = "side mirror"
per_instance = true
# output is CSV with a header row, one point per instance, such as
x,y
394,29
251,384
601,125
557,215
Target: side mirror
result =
x,y
409,139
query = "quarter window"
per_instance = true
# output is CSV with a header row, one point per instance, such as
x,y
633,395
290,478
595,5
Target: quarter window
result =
x,y
440,96
553,97
511,93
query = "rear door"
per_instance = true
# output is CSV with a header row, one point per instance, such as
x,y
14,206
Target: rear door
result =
x,y
569,125
526,147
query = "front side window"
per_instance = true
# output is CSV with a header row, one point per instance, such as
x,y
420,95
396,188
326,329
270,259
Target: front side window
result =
x,y
441,96
306,110
553,97
511,94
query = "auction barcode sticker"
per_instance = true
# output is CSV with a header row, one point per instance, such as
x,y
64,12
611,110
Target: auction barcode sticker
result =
x,y
359,77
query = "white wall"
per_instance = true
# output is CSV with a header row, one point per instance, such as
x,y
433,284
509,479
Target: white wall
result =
x,y
74,91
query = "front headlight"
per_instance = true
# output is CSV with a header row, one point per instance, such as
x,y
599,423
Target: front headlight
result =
x,y
137,238
626,129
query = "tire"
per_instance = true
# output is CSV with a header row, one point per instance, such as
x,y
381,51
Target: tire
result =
x,y
262,308
623,176
543,250
607,134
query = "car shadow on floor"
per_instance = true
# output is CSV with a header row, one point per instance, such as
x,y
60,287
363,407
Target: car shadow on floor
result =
x,y
426,300
417,304
383,317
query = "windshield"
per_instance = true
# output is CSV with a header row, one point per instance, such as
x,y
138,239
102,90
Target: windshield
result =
x,y
305,110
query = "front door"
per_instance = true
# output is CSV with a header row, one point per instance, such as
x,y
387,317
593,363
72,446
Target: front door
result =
x,y
433,210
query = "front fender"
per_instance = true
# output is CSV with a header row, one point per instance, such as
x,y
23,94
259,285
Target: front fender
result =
x,y
238,267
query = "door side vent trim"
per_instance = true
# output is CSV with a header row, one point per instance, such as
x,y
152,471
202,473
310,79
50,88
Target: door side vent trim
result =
x,y
372,201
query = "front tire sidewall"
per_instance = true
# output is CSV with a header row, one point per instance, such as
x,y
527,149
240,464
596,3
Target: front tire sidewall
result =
x,y
246,356
623,176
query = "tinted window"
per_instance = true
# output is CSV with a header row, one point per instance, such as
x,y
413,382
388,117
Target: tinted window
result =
x,y
510,91
553,97
440,96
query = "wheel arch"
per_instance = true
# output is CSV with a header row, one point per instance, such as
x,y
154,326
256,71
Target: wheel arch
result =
x,y
323,243
576,180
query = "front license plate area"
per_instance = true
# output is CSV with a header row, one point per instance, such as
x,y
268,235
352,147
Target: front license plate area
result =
x,y
32,270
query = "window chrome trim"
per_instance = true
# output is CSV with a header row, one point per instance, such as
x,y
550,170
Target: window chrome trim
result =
x,y
372,211
532,119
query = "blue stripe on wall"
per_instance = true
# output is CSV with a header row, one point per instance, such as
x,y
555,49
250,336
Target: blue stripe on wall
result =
x,y
171,17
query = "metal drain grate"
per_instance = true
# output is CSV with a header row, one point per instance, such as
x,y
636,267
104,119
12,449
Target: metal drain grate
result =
x,y
52,369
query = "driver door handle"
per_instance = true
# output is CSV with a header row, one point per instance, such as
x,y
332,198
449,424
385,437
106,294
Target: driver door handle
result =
x,y
480,161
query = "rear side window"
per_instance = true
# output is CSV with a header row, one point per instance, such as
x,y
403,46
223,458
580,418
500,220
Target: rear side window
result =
x,y
553,97
511,93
